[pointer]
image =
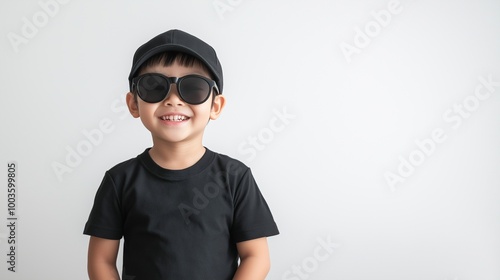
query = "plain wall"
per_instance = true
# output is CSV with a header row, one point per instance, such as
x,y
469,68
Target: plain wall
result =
x,y
372,127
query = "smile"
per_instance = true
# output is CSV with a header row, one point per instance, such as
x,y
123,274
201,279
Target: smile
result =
x,y
174,118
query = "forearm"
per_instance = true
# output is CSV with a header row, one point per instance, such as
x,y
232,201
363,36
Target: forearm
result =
x,y
101,261
103,271
252,268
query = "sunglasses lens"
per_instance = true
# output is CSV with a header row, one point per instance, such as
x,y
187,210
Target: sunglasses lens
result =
x,y
152,88
194,90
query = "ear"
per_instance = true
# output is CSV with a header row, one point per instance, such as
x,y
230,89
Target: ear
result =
x,y
217,106
132,105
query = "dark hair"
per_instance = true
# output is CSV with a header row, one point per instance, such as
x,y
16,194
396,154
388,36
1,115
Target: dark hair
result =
x,y
168,58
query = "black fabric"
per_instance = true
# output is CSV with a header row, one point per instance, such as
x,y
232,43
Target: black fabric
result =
x,y
180,224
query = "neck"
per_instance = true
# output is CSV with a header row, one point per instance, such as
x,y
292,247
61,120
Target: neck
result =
x,y
176,156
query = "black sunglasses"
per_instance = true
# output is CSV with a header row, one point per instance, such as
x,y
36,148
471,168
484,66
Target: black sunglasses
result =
x,y
154,87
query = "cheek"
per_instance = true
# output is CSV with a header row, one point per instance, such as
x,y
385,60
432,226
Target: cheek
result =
x,y
146,109
203,110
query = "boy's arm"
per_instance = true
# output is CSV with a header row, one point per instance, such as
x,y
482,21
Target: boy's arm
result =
x,y
254,260
101,263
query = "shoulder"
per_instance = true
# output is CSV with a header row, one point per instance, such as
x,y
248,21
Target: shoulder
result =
x,y
124,166
125,170
227,159
229,164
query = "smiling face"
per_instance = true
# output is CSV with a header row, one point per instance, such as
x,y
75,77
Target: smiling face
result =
x,y
172,120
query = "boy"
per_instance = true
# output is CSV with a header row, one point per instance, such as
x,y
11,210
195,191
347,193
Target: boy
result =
x,y
184,211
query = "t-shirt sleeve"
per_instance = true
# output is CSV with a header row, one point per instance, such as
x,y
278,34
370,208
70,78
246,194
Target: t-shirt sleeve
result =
x,y
252,216
105,220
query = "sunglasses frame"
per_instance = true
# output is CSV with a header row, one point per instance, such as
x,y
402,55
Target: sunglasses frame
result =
x,y
177,81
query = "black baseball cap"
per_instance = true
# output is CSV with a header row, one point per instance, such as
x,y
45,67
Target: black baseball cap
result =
x,y
180,41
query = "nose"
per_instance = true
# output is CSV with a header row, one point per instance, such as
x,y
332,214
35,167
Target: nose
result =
x,y
173,98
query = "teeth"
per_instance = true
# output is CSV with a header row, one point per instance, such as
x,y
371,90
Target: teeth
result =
x,y
174,118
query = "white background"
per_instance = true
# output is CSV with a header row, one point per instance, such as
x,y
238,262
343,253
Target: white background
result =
x,y
353,117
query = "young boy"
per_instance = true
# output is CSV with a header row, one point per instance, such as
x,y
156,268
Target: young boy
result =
x,y
184,211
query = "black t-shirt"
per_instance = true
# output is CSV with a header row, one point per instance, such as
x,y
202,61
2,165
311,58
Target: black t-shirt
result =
x,y
180,224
